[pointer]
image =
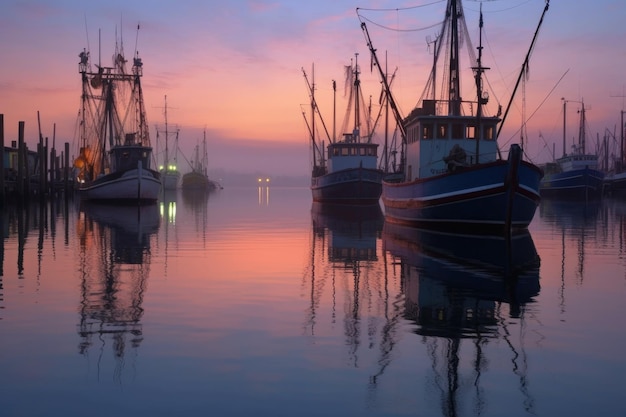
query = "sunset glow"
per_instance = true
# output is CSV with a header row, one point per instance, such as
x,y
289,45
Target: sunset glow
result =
x,y
236,68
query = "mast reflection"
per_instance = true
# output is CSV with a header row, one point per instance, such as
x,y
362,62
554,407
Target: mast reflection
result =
x,y
345,275
115,264
455,286
580,225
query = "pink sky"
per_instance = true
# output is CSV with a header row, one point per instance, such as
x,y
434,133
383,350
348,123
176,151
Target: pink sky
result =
x,y
235,68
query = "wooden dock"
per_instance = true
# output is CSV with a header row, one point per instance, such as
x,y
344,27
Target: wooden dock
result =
x,y
32,173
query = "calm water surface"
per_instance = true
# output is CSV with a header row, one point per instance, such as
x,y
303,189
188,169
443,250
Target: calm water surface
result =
x,y
257,302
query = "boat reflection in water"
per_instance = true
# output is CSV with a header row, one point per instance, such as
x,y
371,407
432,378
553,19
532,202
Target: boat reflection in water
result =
x,y
196,199
345,277
115,264
352,231
582,225
455,288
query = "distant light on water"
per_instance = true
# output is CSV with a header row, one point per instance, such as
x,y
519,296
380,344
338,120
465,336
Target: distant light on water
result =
x,y
264,190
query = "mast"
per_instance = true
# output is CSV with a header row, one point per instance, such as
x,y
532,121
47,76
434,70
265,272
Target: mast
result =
x,y
454,94
386,150
385,82
581,128
525,69
479,85
357,95
166,160
315,110
334,111
621,142
564,136
312,88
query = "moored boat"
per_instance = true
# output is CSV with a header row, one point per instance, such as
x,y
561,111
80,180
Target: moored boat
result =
x,y
347,173
170,175
575,175
615,179
198,179
453,172
115,157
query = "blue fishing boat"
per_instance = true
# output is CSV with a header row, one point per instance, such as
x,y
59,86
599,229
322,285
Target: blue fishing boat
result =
x,y
347,173
575,175
454,173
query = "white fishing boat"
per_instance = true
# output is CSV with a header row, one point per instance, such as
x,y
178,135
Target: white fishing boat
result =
x,y
170,175
115,158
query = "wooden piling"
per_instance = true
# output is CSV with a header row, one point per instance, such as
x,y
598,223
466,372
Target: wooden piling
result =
x,y
21,158
66,171
2,175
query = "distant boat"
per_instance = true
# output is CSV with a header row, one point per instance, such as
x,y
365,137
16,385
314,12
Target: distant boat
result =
x,y
615,178
114,163
170,175
574,175
347,173
198,178
454,175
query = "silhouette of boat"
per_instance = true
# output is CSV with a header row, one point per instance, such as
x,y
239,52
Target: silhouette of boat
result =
x,y
115,155
453,171
347,173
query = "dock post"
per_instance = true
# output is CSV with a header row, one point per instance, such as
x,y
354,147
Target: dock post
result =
x,y
2,175
66,171
21,156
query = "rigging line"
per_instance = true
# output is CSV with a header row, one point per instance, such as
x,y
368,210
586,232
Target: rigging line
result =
x,y
498,11
399,8
361,17
540,105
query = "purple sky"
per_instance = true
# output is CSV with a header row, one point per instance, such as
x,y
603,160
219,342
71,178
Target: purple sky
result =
x,y
234,68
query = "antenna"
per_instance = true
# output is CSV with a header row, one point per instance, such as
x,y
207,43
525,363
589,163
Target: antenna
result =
x,y
136,39
87,33
121,35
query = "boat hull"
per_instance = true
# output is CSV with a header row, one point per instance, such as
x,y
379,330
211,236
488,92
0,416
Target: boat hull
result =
x,y
348,186
493,196
130,186
197,181
170,179
581,184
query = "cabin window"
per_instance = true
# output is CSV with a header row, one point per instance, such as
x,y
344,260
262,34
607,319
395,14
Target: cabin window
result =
x,y
335,151
488,132
344,151
427,130
470,131
412,135
362,151
442,131
353,151
457,131
372,151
